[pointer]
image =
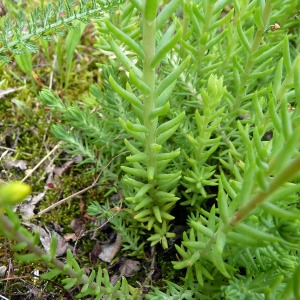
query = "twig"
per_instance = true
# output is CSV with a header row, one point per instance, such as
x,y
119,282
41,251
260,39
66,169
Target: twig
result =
x,y
81,191
10,149
7,150
53,150
50,164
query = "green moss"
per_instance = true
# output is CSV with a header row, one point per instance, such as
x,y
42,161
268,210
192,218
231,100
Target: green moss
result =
x,y
164,259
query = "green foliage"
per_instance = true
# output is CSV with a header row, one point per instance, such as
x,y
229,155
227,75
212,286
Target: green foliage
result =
x,y
121,222
152,182
97,284
43,22
205,95
100,128
204,145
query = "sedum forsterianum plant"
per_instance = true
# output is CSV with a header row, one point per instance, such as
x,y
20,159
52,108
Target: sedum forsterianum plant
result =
x,y
16,37
207,97
153,184
97,284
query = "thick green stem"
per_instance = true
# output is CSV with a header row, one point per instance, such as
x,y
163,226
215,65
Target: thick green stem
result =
x,y
149,76
291,170
209,9
250,61
9,227
150,10
288,173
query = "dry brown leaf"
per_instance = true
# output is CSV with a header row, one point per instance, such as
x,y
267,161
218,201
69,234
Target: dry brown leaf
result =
x,y
46,236
95,253
67,165
78,226
129,267
81,207
71,237
27,207
2,270
114,279
20,164
3,9
109,251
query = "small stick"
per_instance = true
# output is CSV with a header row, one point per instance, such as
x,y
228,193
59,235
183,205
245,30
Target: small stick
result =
x,y
81,191
30,173
9,149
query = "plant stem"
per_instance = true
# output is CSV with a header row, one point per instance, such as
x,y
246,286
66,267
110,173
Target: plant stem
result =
x,y
8,227
209,9
149,76
286,174
250,61
52,27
